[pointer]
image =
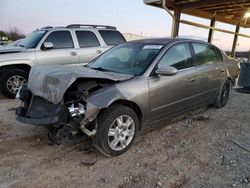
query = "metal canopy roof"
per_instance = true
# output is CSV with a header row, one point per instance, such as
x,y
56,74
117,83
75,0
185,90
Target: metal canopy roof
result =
x,y
227,11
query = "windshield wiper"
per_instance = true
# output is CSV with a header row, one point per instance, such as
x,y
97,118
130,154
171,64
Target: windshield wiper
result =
x,y
101,69
21,45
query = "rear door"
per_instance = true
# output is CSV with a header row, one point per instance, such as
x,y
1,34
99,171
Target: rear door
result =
x,y
89,46
173,94
211,70
63,53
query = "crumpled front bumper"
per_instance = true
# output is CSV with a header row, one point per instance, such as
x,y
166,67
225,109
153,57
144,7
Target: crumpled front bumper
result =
x,y
37,111
38,121
60,118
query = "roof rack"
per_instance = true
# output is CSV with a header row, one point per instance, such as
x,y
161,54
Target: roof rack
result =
x,y
88,25
47,27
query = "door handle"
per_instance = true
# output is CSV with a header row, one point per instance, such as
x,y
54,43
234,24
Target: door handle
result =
x,y
73,53
98,51
221,69
192,80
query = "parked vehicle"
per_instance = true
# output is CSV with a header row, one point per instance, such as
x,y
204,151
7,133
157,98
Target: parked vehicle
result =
x,y
15,43
130,86
71,45
3,43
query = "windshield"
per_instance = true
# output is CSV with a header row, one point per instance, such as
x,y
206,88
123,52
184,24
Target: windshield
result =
x,y
32,39
129,58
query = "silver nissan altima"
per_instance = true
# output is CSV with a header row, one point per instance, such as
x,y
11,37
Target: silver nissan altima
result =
x,y
127,88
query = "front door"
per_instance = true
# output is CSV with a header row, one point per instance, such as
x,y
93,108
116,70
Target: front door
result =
x,y
173,94
63,52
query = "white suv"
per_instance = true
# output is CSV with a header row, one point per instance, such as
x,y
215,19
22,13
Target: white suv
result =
x,y
75,44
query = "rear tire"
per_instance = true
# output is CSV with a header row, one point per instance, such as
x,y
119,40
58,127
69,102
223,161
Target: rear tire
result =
x,y
12,80
116,131
223,95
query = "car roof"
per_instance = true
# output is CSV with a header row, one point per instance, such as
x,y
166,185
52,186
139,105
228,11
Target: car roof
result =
x,y
164,41
80,27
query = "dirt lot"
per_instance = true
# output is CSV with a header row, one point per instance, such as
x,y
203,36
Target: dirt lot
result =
x,y
208,149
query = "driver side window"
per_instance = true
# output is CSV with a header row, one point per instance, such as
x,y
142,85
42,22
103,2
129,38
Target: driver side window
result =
x,y
178,56
60,39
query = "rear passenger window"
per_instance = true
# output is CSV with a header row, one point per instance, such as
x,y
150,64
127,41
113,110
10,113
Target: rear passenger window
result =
x,y
204,54
87,39
178,56
60,39
112,37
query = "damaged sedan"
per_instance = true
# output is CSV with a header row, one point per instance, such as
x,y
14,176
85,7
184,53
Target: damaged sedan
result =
x,y
125,89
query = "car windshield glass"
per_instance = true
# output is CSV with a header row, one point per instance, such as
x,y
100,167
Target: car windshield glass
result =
x,y
129,58
32,39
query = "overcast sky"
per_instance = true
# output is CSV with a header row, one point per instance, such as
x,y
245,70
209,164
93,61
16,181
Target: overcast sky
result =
x,y
129,16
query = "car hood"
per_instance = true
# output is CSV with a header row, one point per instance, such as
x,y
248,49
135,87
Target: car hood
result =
x,y
11,49
51,82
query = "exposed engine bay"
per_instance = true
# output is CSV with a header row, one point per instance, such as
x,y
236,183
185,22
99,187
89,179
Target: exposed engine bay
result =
x,y
67,100
66,118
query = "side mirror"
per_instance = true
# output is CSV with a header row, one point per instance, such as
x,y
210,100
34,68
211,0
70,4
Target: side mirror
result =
x,y
47,46
166,71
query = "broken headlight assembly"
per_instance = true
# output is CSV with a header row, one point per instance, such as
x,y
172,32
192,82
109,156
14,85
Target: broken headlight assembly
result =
x,y
76,110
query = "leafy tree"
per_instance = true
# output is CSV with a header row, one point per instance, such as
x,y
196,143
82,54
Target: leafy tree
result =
x,y
2,34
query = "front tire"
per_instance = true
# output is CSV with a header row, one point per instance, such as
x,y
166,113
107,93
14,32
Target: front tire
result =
x,y
12,80
223,95
116,131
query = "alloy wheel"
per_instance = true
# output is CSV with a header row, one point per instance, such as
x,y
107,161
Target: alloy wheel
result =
x,y
121,132
15,82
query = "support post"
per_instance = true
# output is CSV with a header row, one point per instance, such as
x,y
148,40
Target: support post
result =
x,y
176,23
211,30
235,40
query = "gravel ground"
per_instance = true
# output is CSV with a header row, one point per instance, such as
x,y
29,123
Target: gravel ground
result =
x,y
208,148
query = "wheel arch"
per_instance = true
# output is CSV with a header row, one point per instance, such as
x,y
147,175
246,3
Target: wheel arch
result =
x,y
24,67
131,105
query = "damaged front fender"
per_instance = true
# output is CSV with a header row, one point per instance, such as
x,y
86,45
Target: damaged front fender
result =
x,y
77,108
95,103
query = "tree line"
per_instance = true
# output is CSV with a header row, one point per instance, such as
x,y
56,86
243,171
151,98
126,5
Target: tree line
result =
x,y
13,34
